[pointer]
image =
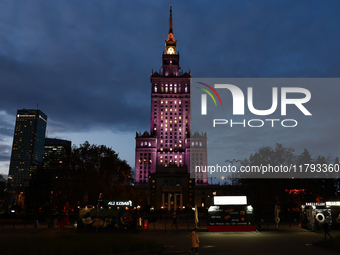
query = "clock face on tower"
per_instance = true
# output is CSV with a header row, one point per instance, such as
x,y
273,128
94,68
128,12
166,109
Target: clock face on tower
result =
x,y
171,50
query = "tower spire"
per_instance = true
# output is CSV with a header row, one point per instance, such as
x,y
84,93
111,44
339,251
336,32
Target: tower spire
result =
x,y
170,44
170,23
171,33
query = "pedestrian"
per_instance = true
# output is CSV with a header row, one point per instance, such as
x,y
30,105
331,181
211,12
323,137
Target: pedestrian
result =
x,y
174,222
326,229
194,241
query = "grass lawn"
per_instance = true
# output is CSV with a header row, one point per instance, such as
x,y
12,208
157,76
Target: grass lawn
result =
x,y
77,243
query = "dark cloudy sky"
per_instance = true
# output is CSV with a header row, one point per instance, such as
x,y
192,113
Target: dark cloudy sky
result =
x,y
88,63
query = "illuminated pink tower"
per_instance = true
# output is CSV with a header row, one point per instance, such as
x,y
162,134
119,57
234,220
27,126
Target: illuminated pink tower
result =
x,y
168,143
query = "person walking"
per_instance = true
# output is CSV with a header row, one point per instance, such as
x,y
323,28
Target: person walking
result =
x,y
174,222
194,241
326,229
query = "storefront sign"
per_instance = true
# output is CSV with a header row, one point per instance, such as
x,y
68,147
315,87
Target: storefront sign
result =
x,y
230,200
333,203
228,215
315,204
120,203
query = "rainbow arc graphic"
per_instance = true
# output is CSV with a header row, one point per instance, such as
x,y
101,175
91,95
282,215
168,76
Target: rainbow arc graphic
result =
x,y
204,97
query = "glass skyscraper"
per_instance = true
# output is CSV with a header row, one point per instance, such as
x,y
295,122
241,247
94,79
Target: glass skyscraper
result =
x,y
28,147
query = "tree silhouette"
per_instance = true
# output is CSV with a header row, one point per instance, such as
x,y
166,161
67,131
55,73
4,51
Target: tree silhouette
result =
x,y
89,170
263,194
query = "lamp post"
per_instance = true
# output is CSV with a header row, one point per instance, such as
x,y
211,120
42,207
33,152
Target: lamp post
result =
x,y
232,164
99,199
139,220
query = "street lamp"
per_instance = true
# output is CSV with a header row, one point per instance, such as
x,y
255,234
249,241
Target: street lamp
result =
x,y
232,164
97,220
225,180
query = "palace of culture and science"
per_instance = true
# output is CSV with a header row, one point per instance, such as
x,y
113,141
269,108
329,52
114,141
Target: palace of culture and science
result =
x,y
167,154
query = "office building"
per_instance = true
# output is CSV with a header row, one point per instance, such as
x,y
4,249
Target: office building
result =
x,y
27,149
60,149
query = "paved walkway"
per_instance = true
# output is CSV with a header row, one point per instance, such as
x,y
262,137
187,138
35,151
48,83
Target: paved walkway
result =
x,y
275,241
285,241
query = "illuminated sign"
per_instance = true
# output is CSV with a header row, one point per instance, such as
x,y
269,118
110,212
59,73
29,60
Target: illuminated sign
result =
x,y
118,203
42,118
333,203
230,200
295,191
25,116
214,209
315,204
229,215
